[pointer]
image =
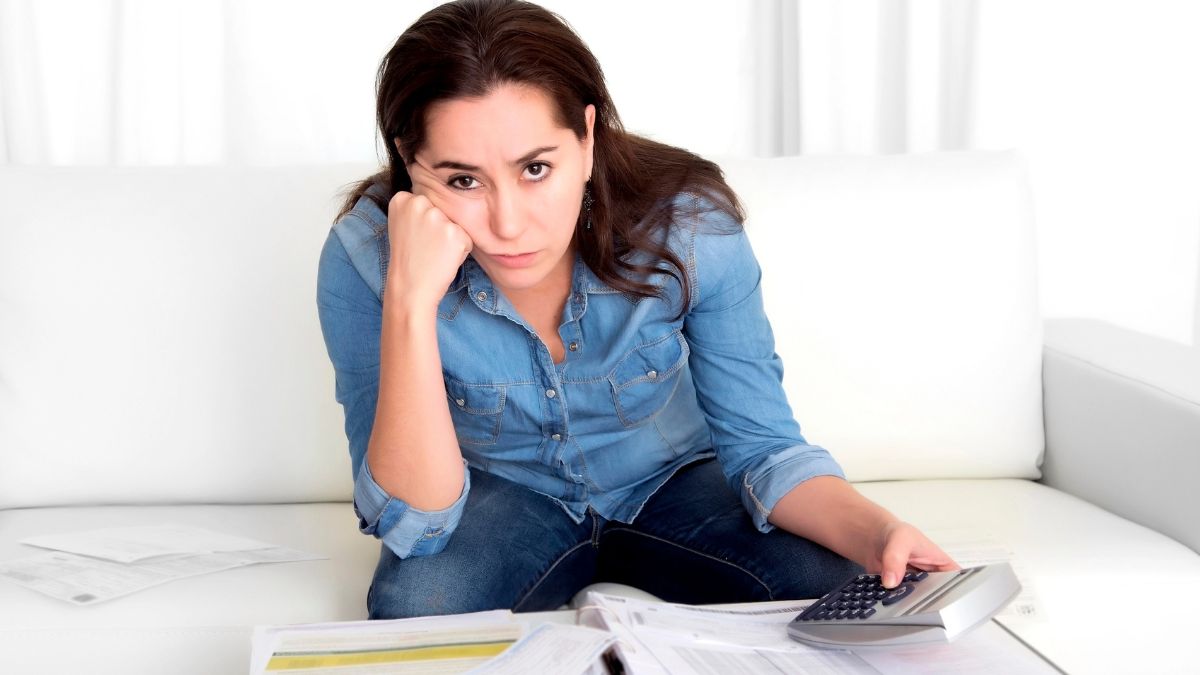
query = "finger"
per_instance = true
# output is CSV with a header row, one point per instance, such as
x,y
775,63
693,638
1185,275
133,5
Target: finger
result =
x,y
928,565
894,559
928,556
425,182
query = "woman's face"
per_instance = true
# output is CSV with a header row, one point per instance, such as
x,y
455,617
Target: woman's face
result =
x,y
502,168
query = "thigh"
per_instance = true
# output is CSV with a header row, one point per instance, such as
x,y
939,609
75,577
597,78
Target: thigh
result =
x,y
513,549
694,542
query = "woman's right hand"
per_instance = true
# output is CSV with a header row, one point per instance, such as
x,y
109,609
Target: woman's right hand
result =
x,y
427,248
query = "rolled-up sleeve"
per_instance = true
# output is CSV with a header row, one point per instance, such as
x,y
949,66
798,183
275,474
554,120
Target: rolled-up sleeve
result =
x,y
406,530
739,377
351,317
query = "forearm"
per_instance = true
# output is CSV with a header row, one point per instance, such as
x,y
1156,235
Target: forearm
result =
x,y
413,453
830,512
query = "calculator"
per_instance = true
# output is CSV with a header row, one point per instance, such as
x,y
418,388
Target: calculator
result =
x,y
925,606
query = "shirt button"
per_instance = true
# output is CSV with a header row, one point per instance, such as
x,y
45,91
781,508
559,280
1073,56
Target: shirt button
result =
x,y
556,437
460,402
550,393
574,346
481,296
652,374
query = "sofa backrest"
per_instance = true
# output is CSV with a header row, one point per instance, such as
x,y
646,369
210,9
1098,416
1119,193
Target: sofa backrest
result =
x,y
902,292
159,340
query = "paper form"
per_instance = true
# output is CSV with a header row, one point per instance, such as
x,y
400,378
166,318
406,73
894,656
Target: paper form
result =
x,y
971,548
436,644
661,638
987,650
131,544
551,648
655,637
82,580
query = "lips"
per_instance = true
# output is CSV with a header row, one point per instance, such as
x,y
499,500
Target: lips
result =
x,y
516,261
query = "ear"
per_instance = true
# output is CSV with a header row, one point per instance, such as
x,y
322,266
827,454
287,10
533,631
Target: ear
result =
x,y
589,118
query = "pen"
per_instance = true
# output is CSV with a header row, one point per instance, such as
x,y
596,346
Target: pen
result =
x,y
612,662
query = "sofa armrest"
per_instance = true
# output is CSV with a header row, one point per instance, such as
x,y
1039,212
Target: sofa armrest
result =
x,y
1122,415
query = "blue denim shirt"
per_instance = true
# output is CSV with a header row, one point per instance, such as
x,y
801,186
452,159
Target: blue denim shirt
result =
x,y
640,393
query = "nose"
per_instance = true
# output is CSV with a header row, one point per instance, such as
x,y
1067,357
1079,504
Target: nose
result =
x,y
505,213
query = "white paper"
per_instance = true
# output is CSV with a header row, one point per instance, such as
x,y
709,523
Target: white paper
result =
x,y
339,647
551,648
656,637
971,548
83,580
131,544
986,650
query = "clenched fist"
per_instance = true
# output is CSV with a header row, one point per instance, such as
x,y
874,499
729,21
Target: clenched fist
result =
x,y
426,249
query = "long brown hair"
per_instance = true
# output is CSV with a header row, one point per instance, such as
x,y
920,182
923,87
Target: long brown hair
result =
x,y
465,49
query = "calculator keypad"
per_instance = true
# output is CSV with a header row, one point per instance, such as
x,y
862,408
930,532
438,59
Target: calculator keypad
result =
x,y
857,597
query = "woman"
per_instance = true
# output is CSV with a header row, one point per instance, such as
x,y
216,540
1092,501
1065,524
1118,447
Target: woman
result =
x,y
549,343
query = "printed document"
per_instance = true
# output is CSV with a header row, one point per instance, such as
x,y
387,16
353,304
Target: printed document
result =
x,y
658,637
98,565
131,544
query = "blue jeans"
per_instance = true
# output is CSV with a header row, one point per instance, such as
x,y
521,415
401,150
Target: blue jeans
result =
x,y
517,549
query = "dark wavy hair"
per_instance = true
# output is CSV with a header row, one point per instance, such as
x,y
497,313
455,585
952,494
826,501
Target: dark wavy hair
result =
x,y
465,49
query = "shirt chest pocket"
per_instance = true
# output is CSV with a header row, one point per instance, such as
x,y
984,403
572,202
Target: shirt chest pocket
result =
x,y
476,410
645,378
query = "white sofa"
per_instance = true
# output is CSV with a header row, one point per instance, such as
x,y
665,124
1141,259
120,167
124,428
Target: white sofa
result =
x,y
161,361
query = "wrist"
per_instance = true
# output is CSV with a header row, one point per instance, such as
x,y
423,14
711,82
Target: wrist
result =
x,y
401,302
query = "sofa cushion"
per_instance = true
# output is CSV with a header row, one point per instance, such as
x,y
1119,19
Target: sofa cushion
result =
x,y
902,293
1114,596
160,339
197,625
1085,563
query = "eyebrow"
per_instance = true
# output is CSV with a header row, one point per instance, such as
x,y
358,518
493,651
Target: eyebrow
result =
x,y
447,164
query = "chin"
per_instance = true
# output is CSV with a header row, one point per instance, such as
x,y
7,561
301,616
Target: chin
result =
x,y
516,280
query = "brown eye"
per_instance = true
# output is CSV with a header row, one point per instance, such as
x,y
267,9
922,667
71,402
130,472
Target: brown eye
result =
x,y
538,170
458,183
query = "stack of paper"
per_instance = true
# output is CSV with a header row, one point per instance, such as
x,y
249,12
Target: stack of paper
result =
x,y
495,643
659,637
85,568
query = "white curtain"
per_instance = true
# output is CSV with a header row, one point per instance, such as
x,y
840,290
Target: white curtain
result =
x,y
276,82
127,82
1100,97
865,76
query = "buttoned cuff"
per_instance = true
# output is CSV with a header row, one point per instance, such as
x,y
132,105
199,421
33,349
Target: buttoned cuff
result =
x,y
763,486
406,530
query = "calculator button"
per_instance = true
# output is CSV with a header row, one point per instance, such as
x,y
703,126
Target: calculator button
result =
x,y
867,613
897,594
915,575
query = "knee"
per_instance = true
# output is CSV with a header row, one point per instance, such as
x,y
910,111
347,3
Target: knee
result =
x,y
813,572
831,570
399,598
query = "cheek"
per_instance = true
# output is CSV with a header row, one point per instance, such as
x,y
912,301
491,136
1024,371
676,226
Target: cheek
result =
x,y
560,209
469,214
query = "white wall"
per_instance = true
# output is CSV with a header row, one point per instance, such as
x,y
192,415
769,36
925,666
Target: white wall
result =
x,y
1103,98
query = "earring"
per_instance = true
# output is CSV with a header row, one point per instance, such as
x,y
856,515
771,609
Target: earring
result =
x,y
587,203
